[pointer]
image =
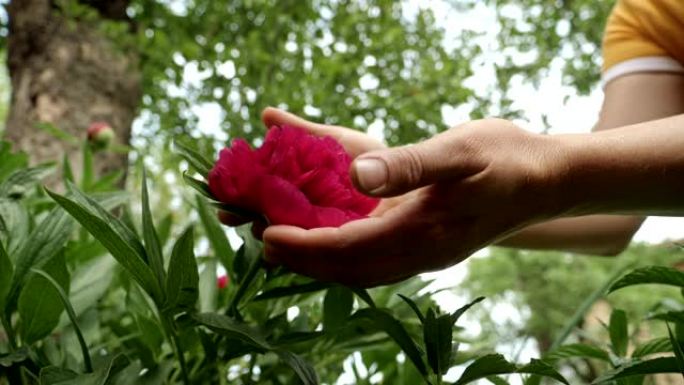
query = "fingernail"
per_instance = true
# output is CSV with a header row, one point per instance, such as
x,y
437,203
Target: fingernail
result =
x,y
371,174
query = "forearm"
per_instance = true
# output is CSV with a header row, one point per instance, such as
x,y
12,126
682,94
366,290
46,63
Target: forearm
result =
x,y
638,169
594,234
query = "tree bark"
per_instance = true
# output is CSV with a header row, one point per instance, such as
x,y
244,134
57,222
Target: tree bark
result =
x,y
67,73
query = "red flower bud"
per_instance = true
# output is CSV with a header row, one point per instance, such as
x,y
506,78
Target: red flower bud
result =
x,y
222,281
100,135
294,178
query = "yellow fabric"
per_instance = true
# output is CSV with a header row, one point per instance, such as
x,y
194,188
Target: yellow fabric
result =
x,y
641,28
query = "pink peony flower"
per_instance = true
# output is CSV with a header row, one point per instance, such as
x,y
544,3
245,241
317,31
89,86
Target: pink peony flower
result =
x,y
100,135
222,281
294,178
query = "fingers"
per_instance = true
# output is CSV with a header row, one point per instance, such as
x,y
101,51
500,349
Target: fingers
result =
x,y
394,171
354,142
361,253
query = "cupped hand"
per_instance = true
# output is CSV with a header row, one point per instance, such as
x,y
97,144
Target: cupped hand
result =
x,y
443,199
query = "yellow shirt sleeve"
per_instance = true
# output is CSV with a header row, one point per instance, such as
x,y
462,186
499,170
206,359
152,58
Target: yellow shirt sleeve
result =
x,y
645,29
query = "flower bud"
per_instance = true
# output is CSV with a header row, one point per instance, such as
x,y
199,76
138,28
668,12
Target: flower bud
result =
x,y
100,135
222,281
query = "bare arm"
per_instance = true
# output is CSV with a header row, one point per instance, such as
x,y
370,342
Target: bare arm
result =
x,y
630,99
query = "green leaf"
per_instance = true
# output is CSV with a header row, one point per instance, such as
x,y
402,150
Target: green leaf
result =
x,y
10,162
636,368
46,240
541,368
656,345
217,237
668,316
152,246
578,316
39,304
579,351
67,171
437,334
114,236
458,313
182,283
384,321
208,289
57,376
413,307
364,295
23,180
6,271
57,132
192,156
497,380
227,326
677,348
337,306
200,186
485,366
72,316
286,291
304,370
16,357
650,275
618,332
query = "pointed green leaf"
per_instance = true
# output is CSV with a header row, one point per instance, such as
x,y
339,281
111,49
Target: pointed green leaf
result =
x,y
437,334
364,295
182,283
578,351
637,368
485,366
384,321
114,236
618,332
192,156
497,380
152,246
208,289
677,348
413,307
87,171
286,291
656,345
217,237
304,370
72,316
67,172
650,275
23,180
203,188
227,326
337,306
458,313
39,304
10,161
6,271
541,368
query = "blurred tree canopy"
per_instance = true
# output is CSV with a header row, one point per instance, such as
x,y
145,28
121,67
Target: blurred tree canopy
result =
x,y
341,62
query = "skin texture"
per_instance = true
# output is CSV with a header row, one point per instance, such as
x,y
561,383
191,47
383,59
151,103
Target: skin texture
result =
x,y
628,100
476,184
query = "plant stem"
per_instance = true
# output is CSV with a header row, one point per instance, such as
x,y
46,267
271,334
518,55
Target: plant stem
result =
x,y
175,342
7,325
242,289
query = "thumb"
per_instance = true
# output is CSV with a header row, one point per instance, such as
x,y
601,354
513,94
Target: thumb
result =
x,y
395,171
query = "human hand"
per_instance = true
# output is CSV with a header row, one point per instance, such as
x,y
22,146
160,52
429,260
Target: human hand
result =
x,y
444,199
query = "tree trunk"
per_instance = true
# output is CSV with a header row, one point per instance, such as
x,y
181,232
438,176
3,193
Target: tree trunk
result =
x,y
64,71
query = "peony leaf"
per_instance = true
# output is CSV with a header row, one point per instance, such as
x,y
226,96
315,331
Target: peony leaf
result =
x,y
384,321
485,366
217,237
6,270
437,334
304,370
286,291
413,307
121,242
618,332
650,275
182,282
656,345
637,368
39,304
192,156
577,350
152,245
337,305
203,188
